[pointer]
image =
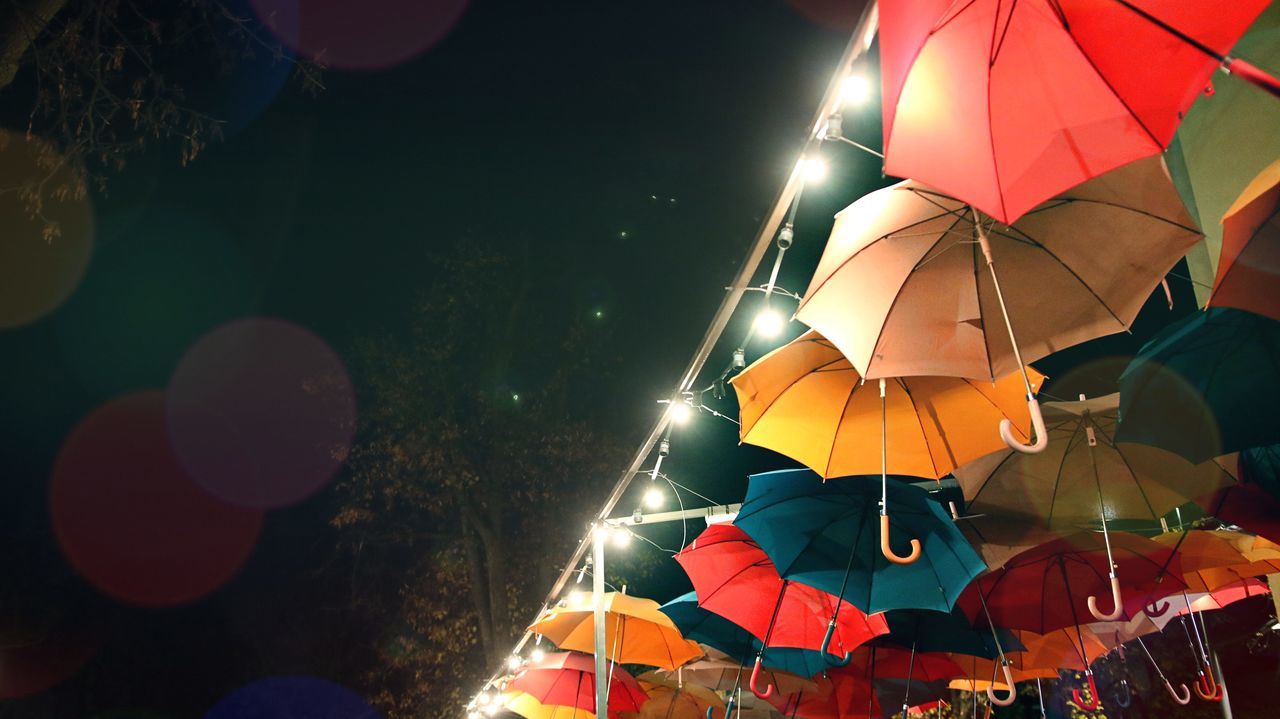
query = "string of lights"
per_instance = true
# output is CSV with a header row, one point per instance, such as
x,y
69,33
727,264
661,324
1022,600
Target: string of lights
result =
x,y
777,229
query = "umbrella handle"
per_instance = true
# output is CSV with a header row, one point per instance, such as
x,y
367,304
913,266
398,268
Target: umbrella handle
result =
x,y
1123,696
827,655
1037,425
1183,700
1118,609
887,551
1013,690
1206,687
1157,609
1253,75
755,676
1093,695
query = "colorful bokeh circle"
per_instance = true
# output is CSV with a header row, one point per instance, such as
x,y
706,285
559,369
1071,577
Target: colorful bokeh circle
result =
x,y
293,698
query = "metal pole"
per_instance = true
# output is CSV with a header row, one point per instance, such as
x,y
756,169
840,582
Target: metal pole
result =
x,y
1222,684
597,606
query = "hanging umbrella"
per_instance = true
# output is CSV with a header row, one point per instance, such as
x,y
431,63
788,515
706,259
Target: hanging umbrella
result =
x,y
1046,588
668,699
1008,104
1201,387
734,578
721,673
1060,649
1249,265
635,631
733,641
840,695
907,284
952,632
1225,596
568,679
1224,141
525,705
806,401
824,535
1260,466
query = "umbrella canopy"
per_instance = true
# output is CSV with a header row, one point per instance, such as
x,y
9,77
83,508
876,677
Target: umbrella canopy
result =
x,y
840,695
1029,497
982,674
825,535
1204,548
1045,588
806,401
1249,265
721,673
635,631
733,641
1060,649
734,578
1008,104
1225,596
900,663
569,679
668,699
1224,141
930,631
1261,466
1201,387
903,289
528,707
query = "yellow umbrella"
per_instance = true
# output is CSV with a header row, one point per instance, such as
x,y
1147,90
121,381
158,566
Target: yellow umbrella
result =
x,y
526,706
805,400
635,631
670,700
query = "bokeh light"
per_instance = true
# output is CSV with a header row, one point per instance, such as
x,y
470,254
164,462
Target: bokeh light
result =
x,y
261,412
367,35
162,282
292,698
40,652
131,521
48,233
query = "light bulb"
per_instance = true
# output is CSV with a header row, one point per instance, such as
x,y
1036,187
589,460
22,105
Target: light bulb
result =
x,y
537,655
473,715
653,498
484,698
577,598
513,662
681,412
493,708
813,169
855,90
769,323
621,537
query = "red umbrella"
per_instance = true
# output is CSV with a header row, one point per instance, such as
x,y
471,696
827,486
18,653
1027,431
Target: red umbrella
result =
x,y
1006,104
1046,588
734,578
569,679
900,663
840,695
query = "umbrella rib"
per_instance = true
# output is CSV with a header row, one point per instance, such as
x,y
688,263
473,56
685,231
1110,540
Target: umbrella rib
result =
x,y
1057,482
923,436
835,438
1132,472
1045,249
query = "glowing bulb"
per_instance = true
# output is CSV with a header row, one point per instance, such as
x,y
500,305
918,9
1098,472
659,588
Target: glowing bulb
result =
x,y
653,498
577,598
473,715
537,655
813,169
769,323
681,412
484,698
855,90
493,709
621,537
513,662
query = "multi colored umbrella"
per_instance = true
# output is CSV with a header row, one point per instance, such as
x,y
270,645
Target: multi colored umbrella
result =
x,y
1222,144
1201,387
569,679
732,640
907,284
825,535
1007,104
635,631
1249,265
734,578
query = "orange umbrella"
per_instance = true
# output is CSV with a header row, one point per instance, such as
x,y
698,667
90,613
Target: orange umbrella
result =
x,y
1060,649
635,631
1249,266
671,700
907,284
805,400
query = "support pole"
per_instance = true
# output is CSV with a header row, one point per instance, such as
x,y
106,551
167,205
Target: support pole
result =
x,y
1222,684
597,605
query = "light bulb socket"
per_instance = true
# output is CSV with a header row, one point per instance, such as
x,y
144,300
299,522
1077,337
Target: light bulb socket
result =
x,y
786,236
664,447
739,358
835,128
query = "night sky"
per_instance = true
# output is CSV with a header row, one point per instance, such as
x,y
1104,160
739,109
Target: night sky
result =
x,y
630,147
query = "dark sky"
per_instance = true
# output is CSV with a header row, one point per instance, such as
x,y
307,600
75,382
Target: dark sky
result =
x,y
633,146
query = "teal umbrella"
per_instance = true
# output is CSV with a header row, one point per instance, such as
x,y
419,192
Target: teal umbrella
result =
x,y
715,631
827,535
928,631
1261,466
1205,386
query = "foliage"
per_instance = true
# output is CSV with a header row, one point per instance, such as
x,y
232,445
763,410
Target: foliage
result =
x,y
464,493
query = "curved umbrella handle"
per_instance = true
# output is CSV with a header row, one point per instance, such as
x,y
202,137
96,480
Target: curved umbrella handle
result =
x,y
1206,687
1093,695
1253,75
1157,609
755,676
887,551
1123,698
1037,425
1013,690
827,655
1118,608
1183,700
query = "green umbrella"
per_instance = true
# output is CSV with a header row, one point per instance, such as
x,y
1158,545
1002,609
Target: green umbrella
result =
x,y
1225,140
930,631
